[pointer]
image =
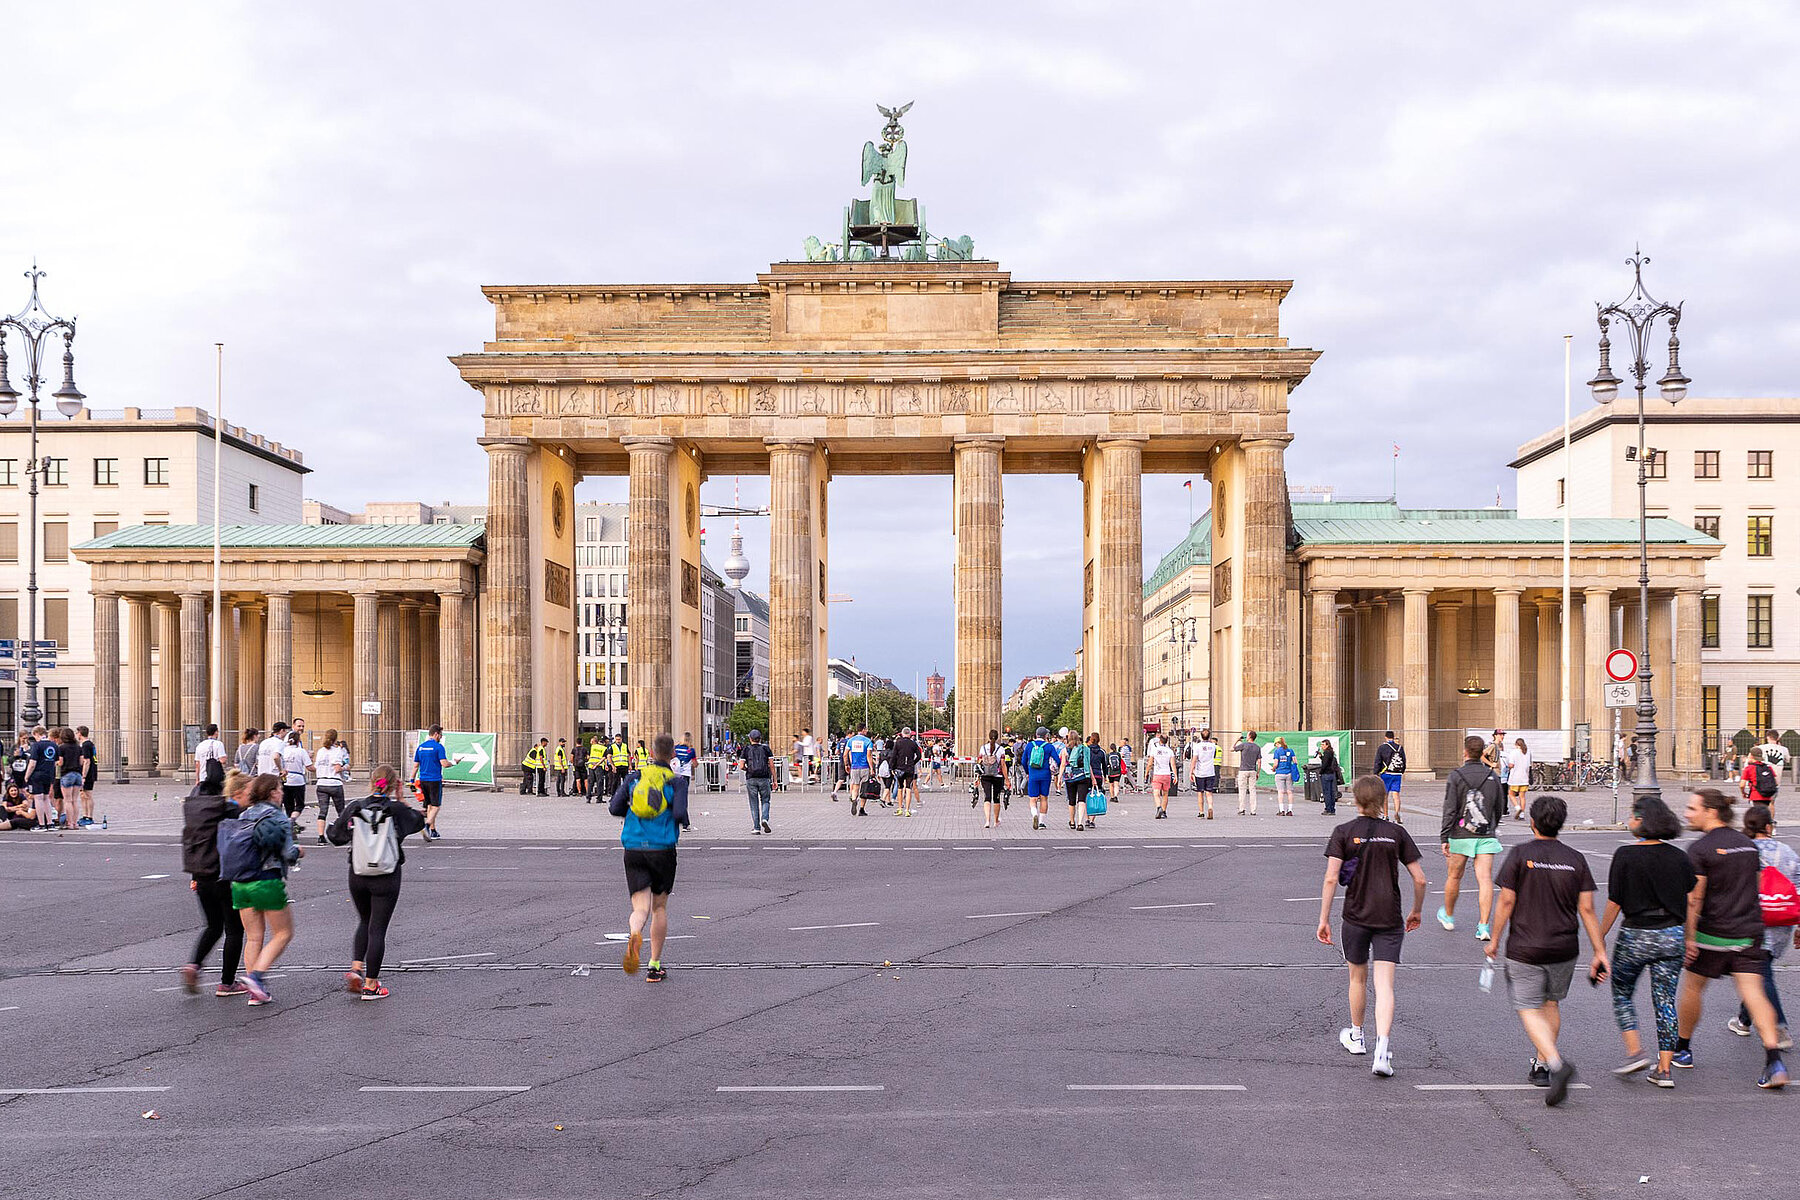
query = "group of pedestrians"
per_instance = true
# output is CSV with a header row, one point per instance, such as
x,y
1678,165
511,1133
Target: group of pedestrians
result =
x,y
1727,905
50,780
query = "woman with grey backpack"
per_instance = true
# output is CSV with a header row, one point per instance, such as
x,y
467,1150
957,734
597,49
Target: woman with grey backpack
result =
x,y
373,828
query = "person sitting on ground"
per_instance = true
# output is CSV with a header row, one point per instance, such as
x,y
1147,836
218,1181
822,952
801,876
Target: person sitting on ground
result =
x,y
16,811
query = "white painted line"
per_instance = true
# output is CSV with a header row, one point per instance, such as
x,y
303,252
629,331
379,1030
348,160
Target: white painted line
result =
x,y
1484,1087
461,867
839,1087
74,1091
1193,904
1157,1087
541,847
407,962
846,925
152,876
979,916
1118,847
452,1088
10,1008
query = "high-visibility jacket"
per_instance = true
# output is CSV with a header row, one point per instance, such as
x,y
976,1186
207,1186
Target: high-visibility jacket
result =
x,y
534,758
596,754
621,757
560,759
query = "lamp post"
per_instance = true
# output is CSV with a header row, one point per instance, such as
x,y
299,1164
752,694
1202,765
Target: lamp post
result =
x,y
1639,312
1183,633
35,328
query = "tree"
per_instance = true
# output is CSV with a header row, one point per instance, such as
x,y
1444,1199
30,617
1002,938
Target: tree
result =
x,y
1070,716
745,716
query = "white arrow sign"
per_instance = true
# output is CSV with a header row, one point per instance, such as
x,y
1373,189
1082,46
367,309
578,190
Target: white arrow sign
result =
x,y
478,756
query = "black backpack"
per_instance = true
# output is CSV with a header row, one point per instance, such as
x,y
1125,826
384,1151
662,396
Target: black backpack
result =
x,y
756,760
1763,782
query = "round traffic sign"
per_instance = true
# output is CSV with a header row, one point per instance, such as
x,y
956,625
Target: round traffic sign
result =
x,y
1621,666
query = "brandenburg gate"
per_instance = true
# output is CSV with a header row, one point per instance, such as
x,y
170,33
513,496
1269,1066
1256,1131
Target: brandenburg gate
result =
x,y
854,362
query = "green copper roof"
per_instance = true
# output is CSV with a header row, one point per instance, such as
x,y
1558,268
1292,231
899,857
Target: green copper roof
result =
x,y
276,537
1192,550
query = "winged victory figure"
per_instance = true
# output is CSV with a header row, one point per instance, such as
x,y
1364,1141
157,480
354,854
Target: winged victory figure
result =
x,y
886,165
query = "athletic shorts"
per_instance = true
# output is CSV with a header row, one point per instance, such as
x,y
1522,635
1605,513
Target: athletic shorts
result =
x,y
1037,785
433,792
1715,963
1161,783
906,779
652,870
1206,783
1533,985
263,895
39,785
329,794
1361,943
1077,790
1392,780
87,781
857,775
1470,847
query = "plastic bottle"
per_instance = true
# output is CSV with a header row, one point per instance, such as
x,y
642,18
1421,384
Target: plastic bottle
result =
x,y
1486,981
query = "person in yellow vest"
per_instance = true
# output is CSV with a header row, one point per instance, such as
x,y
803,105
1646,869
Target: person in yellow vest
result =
x,y
536,761
559,766
599,777
621,758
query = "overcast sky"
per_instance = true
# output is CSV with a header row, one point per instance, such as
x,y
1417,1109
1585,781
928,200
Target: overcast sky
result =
x,y
325,187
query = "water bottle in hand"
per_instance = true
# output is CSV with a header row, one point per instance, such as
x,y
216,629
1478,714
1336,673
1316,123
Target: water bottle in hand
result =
x,y
1486,980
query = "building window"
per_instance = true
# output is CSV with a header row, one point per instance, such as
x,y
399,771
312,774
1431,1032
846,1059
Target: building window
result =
x,y
1762,464
593,528
1708,524
9,623
1709,622
1760,540
106,472
56,706
56,620
102,528
156,472
9,477
1562,492
9,541
255,498
1706,464
56,541
56,472
1759,707
1759,624
1658,466
1709,716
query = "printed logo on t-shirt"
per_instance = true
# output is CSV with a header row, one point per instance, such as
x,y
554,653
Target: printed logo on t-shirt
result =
x,y
1734,850
1548,866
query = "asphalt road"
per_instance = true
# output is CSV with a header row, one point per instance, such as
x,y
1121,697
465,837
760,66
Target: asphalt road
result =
x,y
1138,1021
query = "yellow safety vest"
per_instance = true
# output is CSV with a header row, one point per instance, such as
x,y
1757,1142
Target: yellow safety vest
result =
x,y
534,758
561,758
620,755
596,753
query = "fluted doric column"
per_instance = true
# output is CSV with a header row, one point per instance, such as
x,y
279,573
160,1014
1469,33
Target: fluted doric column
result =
x,y
228,671
170,750
1415,677
1323,708
979,687
650,650
365,667
410,683
1598,634
252,622
1506,658
1267,704
143,679
1118,708
1689,736
792,587
455,681
506,604
429,668
106,679
278,660
193,659
1549,662
387,738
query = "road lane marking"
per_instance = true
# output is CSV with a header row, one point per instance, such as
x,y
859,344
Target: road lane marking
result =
x,y
978,916
74,1091
466,867
10,1008
846,925
482,1087
152,876
614,939
1157,1087
1193,904
1484,1087
813,1087
407,962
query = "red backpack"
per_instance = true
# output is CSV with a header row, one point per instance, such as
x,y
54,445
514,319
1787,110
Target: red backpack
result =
x,y
1780,900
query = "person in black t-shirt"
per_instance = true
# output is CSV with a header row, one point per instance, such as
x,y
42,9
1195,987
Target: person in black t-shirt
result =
x,y
1546,896
1725,929
1367,854
1648,884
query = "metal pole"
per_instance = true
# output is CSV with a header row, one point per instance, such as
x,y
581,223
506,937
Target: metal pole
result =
x,y
1645,735
1567,711
218,624
1614,751
31,714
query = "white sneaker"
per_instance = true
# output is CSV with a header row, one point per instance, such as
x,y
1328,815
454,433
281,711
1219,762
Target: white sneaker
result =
x,y
1384,1063
1352,1041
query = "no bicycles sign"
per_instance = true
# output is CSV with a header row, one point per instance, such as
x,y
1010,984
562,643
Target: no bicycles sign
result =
x,y
1621,665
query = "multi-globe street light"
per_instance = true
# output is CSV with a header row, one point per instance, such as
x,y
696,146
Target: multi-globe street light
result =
x,y
35,328
1639,312
1183,632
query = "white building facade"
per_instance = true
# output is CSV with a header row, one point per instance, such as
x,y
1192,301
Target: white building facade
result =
x,y
106,470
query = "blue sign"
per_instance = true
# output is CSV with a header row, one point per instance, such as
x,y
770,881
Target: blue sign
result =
x,y
8,675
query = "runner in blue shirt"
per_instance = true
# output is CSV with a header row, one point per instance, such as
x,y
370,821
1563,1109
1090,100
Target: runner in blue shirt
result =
x,y
685,756
1042,758
428,770
857,749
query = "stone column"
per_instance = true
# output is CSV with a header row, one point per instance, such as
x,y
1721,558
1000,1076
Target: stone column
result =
x,y
409,691
137,713
1577,663
1662,676
453,661
1415,677
1323,710
1393,641
792,554
1346,672
1506,658
278,660
387,686
106,680
1446,678
429,700
979,688
506,605
650,649
1267,704
1549,662
1119,598
193,659
1598,632
1690,742
1364,689
171,752
365,659
228,672
252,622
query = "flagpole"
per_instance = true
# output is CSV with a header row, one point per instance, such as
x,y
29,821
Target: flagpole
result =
x,y
1567,709
218,623
1396,488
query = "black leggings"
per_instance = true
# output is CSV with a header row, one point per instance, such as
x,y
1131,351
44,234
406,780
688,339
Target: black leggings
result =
x,y
374,897
990,789
221,921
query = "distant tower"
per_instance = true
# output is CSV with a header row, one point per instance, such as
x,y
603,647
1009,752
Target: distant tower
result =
x,y
934,689
737,567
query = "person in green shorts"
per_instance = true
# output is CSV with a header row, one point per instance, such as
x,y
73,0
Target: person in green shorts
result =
x,y
262,901
1474,800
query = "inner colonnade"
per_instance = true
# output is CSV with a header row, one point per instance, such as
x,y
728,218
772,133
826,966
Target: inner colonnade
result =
x,y
823,369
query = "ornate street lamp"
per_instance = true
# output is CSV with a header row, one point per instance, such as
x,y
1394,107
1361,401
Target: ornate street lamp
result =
x,y
1638,312
35,328
1183,633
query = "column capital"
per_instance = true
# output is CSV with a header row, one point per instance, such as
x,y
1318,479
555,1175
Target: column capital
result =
x,y
1696,587
1551,603
504,445
978,441
361,593
193,593
271,593
1448,603
1138,440
649,444
1417,591
104,593
410,601
1602,593
803,445
1508,590
1279,441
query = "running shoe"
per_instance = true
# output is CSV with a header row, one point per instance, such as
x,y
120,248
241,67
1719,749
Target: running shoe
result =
x,y
1383,1065
1445,919
322,840
1563,1076
433,834
1539,1075
656,974
766,828
633,945
1352,1041
190,979
377,992
1684,1059
258,993
353,981
1661,1078
1631,1067
1481,932
233,988
755,831
1774,1077
1738,1027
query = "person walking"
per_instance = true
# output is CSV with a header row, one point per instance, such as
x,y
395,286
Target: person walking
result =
x,y
1518,777
213,799
1161,761
1390,764
1759,782
1365,854
757,765
268,751
1474,802
1249,762
261,898
559,766
210,749
990,770
374,828
1648,885
536,763
906,773
1546,898
685,756
429,761
331,771
295,763
1286,770
1759,826
1042,761
1776,755
1331,774
654,802
1205,768
245,758
1724,932
1077,777
857,750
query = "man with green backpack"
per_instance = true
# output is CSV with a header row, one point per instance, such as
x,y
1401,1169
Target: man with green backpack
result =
x,y
653,799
